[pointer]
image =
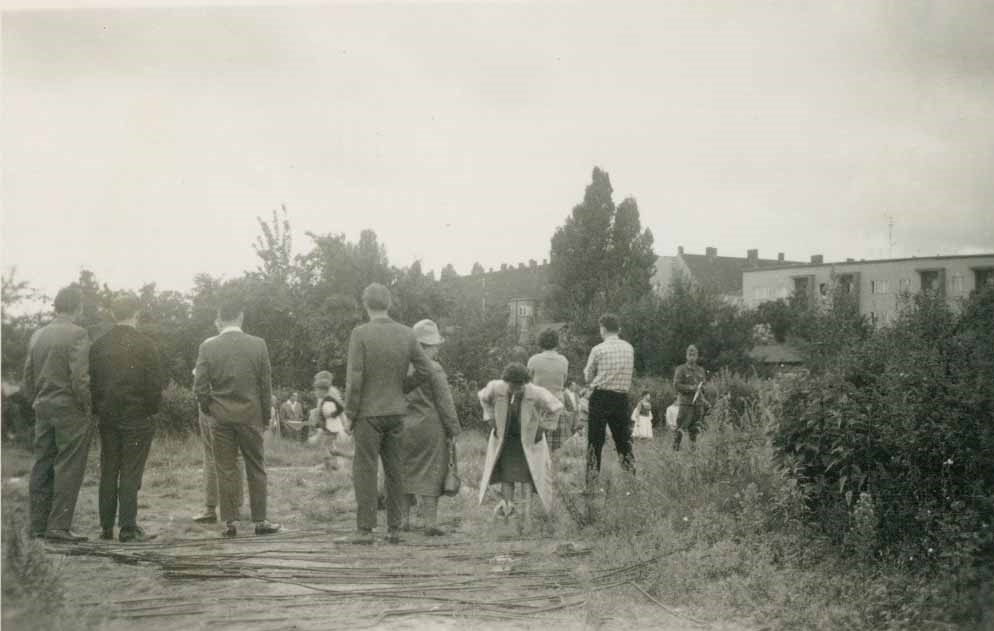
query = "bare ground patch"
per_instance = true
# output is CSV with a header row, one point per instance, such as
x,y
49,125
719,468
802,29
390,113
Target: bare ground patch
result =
x,y
482,576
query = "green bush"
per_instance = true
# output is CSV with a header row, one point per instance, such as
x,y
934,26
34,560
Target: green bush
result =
x,y
902,423
178,413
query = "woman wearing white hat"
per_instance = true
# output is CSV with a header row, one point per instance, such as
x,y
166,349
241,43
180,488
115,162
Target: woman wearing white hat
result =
x,y
429,425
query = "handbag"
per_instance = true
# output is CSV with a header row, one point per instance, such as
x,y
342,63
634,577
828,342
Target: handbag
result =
x,y
450,487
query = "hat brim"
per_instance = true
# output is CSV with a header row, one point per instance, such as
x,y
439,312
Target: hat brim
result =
x,y
431,340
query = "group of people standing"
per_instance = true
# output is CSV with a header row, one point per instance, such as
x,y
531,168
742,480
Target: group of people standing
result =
x,y
397,407
69,383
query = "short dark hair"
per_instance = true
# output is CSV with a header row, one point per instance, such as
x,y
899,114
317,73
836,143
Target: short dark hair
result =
x,y
376,297
68,300
548,340
124,306
515,373
230,308
645,392
610,323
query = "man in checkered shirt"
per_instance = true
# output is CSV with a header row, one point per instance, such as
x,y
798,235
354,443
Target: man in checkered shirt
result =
x,y
609,374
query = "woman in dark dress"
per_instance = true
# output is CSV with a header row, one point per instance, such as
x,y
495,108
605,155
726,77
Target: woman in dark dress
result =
x,y
517,452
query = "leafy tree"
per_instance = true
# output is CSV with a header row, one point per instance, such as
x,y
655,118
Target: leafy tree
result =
x,y
448,272
417,296
16,327
476,270
601,258
274,246
779,315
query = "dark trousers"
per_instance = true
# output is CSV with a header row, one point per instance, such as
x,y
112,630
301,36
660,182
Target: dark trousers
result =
x,y
608,409
124,446
378,438
689,420
230,439
210,470
62,444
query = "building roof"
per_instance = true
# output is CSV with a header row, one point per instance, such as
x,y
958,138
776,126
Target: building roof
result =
x,y
776,354
724,273
923,259
502,286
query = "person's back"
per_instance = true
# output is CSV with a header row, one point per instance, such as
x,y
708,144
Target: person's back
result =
x,y
235,371
380,353
125,375
56,354
57,382
548,369
384,351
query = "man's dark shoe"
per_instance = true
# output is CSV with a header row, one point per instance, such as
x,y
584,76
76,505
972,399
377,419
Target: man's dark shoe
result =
x,y
266,528
361,537
64,535
107,534
229,531
393,537
206,517
136,535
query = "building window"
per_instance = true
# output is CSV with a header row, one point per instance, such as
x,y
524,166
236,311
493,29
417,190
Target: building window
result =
x,y
983,278
879,287
847,284
905,285
823,289
930,281
782,292
956,282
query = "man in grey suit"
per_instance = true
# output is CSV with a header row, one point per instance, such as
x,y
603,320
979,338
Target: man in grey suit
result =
x,y
233,387
57,382
380,353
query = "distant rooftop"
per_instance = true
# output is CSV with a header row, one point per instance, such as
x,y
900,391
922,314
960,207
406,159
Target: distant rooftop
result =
x,y
817,262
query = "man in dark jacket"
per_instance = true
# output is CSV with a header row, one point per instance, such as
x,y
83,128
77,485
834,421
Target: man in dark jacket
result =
x,y
233,385
57,382
126,383
380,353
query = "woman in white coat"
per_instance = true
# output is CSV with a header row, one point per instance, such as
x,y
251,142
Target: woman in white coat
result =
x,y
520,413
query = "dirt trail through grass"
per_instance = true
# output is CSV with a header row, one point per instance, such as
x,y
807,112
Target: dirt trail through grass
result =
x,y
483,575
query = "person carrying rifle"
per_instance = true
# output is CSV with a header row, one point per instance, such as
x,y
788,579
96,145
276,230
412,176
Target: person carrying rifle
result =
x,y
688,380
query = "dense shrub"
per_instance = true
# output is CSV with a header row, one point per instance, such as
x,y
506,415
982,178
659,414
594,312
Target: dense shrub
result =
x,y
178,412
468,408
902,423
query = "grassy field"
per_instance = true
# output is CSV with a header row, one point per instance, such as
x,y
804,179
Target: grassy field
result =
x,y
705,538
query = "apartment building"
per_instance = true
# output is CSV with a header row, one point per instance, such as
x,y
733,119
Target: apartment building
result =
x,y
720,274
877,285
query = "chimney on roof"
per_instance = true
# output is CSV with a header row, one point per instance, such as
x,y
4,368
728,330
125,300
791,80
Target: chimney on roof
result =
x,y
752,256
850,260
503,267
545,261
679,249
780,258
711,252
817,259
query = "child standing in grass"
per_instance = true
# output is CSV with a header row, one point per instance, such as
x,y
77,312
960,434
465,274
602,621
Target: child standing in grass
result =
x,y
325,420
642,417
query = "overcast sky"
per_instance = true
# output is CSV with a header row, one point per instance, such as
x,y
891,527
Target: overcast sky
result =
x,y
143,143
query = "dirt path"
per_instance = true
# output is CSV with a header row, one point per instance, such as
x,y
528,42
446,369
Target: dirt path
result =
x,y
482,576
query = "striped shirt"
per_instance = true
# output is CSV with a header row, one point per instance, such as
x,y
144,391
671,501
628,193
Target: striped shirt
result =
x,y
610,365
